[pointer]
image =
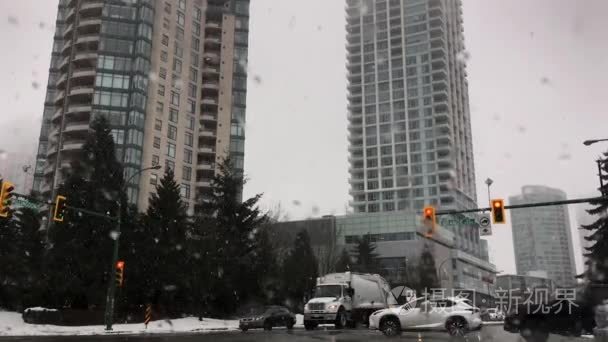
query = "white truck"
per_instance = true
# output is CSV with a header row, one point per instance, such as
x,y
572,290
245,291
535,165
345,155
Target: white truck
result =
x,y
346,298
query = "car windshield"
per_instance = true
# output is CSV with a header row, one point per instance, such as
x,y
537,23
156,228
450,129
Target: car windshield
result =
x,y
328,291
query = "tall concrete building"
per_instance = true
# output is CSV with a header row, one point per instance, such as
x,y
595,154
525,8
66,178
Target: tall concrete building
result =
x,y
170,76
409,122
541,236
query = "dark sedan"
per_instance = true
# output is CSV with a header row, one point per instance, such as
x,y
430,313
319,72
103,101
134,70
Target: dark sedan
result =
x,y
536,322
267,318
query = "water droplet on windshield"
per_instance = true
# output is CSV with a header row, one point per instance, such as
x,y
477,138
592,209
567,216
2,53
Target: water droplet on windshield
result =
x,y
12,20
292,22
35,85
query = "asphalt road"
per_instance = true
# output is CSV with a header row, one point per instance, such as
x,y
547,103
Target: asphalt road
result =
x,y
493,333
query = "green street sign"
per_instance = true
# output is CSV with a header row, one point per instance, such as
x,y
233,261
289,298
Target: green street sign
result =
x,y
20,202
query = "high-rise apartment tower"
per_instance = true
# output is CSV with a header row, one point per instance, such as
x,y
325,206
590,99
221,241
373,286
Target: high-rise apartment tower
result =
x,y
409,122
170,76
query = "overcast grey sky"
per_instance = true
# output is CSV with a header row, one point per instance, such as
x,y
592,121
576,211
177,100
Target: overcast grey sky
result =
x,y
536,74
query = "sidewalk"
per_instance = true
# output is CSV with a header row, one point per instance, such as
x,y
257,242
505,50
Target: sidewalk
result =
x,y
11,324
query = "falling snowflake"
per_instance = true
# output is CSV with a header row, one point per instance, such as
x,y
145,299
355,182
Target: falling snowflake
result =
x,y
463,56
153,76
170,287
114,235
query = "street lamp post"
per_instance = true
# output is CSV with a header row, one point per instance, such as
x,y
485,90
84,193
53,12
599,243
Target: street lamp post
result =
x,y
489,182
109,314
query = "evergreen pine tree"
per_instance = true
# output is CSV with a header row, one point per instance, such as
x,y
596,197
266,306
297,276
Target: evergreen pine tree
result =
x,y
597,254
165,248
30,248
366,256
300,271
230,228
80,253
9,265
344,262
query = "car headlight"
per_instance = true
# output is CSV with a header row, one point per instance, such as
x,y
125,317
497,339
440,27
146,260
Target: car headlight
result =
x,y
333,307
259,318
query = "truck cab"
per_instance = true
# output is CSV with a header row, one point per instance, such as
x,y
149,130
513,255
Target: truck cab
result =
x,y
331,304
346,298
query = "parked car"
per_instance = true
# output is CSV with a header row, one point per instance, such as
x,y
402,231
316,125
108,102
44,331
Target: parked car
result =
x,y
453,314
494,314
536,321
267,318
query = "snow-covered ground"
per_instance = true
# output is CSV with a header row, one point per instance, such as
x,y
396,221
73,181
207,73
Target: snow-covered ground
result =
x,y
11,324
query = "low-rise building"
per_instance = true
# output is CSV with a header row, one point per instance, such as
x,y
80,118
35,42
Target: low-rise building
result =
x,y
400,241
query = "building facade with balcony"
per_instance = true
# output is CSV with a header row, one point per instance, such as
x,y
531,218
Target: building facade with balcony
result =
x,y
410,142
169,75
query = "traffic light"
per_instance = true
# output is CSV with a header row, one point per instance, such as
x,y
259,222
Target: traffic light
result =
x,y
120,273
6,194
60,206
429,220
498,211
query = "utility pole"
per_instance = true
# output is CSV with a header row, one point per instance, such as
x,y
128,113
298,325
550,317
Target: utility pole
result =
x,y
109,314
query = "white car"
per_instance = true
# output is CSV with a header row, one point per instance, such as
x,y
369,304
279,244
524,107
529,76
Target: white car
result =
x,y
495,315
453,314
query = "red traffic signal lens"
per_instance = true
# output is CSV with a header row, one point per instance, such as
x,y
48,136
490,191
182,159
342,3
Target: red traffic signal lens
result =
x,y
120,264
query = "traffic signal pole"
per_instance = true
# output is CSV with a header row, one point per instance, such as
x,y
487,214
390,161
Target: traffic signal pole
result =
x,y
526,205
109,314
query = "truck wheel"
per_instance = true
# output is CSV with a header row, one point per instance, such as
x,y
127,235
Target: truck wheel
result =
x,y
290,324
341,319
390,326
309,325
